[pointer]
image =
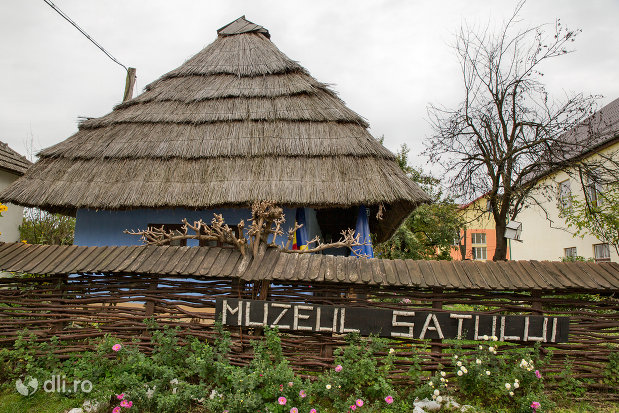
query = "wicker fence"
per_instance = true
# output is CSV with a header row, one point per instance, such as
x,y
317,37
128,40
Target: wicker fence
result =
x,y
80,307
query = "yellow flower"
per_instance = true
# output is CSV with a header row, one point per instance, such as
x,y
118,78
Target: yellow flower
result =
x,y
24,241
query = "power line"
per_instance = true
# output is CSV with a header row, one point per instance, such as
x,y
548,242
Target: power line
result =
x,y
67,18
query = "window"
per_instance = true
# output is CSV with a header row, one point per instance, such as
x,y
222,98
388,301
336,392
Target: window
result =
x,y
593,190
478,238
565,194
601,252
570,252
479,253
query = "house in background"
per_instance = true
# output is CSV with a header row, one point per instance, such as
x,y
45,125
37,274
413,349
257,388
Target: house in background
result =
x,y
545,234
238,122
12,166
478,240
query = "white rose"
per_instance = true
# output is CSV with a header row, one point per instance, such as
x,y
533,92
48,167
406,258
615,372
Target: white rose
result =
x,y
443,373
460,373
491,349
487,372
459,363
516,385
481,347
436,392
478,361
508,386
328,386
391,351
511,393
495,338
439,399
485,337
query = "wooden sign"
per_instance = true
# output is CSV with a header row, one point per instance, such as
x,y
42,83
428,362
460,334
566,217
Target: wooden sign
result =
x,y
329,319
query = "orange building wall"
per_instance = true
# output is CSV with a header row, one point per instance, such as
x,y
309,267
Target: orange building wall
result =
x,y
490,244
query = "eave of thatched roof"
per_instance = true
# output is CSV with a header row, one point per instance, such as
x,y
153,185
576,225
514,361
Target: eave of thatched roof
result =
x,y
12,161
236,123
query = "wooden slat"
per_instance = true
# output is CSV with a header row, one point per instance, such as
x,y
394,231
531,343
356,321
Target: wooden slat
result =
x,y
8,249
559,279
390,272
415,274
196,260
328,268
41,256
313,272
66,266
378,274
365,271
121,263
302,267
488,276
231,263
439,275
174,257
51,263
610,272
280,267
519,278
474,275
208,261
579,272
18,255
154,264
340,270
218,264
597,274
142,259
404,278
540,279
353,270
506,282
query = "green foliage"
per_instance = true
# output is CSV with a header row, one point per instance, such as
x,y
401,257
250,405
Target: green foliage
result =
x,y
568,384
611,372
577,258
429,232
511,380
599,217
40,227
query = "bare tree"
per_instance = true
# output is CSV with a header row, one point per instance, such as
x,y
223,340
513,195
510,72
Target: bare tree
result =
x,y
507,130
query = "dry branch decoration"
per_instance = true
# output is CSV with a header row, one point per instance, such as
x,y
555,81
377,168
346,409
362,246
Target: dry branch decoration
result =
x,y
266,220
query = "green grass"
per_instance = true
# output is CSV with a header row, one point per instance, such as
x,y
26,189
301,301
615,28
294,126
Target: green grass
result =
x,y
40,402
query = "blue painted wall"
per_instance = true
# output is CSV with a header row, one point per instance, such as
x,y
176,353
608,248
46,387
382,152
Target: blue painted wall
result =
x,y
100,227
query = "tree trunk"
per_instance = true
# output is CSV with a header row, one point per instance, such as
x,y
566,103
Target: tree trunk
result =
x,y
500,253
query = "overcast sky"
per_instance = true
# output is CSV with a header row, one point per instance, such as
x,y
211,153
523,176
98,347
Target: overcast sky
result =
x,y
386,59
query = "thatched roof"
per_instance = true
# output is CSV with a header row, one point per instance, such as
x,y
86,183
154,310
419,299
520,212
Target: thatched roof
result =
x,y
236,123
12,161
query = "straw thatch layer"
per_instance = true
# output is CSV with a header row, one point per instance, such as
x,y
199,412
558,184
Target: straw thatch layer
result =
x,y
318,107
162,140
237,123
118,183
195,88
249,54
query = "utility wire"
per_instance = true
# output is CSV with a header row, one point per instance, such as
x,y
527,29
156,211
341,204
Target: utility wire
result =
x,y
67,18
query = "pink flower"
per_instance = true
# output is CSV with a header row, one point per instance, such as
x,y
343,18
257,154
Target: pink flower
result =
x,y
389,399
116,409
282,400
359,402
302,394
294,410
126,403
538,374
129,404
353,407
313,411
290,384
535,405
338,368
120,396
116,347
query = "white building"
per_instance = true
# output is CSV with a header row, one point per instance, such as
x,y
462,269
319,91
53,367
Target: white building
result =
x,y
545,234
12,166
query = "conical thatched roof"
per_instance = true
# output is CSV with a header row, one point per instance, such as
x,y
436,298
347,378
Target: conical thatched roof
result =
x,y
236,123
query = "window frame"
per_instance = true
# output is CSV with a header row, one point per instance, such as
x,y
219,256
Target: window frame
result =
x,y
605,258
